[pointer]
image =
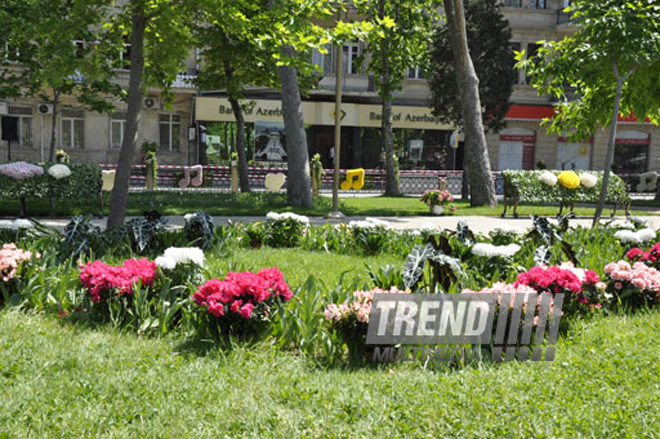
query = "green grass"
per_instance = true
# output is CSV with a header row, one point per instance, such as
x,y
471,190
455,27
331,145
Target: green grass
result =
x,y
60,380
179,203
298,265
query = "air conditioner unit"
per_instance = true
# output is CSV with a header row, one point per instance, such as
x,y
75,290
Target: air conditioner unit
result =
x,y
150,103
45,108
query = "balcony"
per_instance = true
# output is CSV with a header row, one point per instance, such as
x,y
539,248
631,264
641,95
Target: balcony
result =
x,y
184,81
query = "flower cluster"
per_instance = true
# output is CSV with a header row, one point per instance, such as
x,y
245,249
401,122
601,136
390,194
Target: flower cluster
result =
x,y
588,180
59,171
635,284
582,287
548,178
368,223
17,224
244,294
638,237
11,258
650,257
436,197
493,251
21,170
569,180
274,216
175,256
99,277
358,309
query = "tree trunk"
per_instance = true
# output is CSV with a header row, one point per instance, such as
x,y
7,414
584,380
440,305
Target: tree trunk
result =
x,y
476,150
391,187
119,197
240,145
53,127
609,157
299,187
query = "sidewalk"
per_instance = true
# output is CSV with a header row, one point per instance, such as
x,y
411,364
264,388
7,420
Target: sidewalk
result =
x,y
479,224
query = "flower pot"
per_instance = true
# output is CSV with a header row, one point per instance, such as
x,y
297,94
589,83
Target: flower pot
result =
x,y
437,209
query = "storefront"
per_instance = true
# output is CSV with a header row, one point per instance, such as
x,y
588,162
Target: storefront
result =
x,y
421,141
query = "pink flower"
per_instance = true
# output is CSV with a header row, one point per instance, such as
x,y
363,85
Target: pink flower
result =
x,y
246,310
618,285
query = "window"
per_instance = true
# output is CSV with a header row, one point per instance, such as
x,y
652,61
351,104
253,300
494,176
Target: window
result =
x,y
515,47
170,131
415,73
73,128
125,58
117,127
513,3
324,60
532,50
351,51
24,115
565,3
536,4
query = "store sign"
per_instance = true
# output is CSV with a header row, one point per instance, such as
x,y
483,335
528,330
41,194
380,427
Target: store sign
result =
x,y
321,113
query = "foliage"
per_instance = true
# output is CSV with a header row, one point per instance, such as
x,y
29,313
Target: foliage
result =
x,y
199,229
284,230
83,183
488,37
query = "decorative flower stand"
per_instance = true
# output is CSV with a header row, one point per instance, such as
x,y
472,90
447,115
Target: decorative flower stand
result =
x,y
437,209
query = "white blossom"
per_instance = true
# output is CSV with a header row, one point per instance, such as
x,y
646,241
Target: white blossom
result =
x,y
184,255
637,237
59,171
21,224
548,178
5,224
274,216
588,180
165,263
492,251
428,228
189,217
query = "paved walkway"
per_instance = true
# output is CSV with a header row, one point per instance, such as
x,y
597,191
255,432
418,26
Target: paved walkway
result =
x,y
480,224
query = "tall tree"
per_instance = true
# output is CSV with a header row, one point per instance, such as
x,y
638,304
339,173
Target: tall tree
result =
x,y
234,59
401,35
488,37
51,52
160,40
609,67
482,187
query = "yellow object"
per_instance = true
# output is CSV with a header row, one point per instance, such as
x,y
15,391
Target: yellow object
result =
x,y
569,179
354,180
108,180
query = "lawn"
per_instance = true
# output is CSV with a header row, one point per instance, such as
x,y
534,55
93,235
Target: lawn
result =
x,y
62,380
179,203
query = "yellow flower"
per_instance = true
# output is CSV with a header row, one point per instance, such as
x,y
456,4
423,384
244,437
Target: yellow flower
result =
x,y
569,179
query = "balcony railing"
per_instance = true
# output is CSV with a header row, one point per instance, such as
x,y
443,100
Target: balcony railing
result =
x,y
184,81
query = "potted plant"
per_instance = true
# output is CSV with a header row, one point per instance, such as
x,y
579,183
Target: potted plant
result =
x,y
438,201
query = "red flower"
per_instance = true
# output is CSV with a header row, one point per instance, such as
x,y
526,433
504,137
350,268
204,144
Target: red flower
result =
x,y
634,253
246,310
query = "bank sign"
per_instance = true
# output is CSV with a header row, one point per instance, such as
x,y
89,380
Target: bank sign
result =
x,y
321,113
405,324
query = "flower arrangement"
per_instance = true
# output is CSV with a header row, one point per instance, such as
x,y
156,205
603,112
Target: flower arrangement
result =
x,y
17,224
636,237
284,229
351,319
59,171
633,285
242,300
650,257
182,264
101,279
11,259
588,180
436,197
21,170
582,288
495,251
569,180
548,178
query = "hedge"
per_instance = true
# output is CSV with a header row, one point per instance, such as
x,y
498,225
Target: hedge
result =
x,y
532,190
84,183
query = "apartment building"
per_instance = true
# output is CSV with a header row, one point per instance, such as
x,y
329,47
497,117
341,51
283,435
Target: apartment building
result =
x,y
198,125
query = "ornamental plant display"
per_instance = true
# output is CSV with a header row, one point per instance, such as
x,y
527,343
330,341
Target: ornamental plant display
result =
x,y
635,237
650,257
437,197
284,229
351,320
569,180
103,281
12,260
59,171
182,265
632,286
243,302
582,288
370,234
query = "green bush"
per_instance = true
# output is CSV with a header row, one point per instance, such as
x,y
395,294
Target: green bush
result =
x,y
532,190
84,183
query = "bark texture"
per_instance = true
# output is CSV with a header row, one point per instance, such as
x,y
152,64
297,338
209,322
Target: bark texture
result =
x,y
244,181
119,195
482,188
299,186
51,150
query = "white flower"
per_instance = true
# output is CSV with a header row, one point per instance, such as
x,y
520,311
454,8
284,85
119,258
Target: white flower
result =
x,y
5,224
59,171
274,216
21,224
428,228
588,180
492,251
165,263
637,237
378,223
369,223
506,229
548,178
189,217
623,225
184,255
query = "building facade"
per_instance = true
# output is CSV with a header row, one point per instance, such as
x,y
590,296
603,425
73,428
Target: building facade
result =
x,y
197,125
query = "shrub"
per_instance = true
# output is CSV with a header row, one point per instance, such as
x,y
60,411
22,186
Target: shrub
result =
x,y
632,286
84,183
284,229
